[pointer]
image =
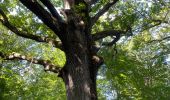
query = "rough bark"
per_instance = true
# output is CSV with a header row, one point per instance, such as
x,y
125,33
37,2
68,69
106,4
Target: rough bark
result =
x,y
76,73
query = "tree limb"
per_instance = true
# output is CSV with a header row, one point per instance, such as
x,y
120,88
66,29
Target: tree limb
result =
x,y
103,34
102,11
48,66
41,13
113,41
157,23
159,40
37,38
52,9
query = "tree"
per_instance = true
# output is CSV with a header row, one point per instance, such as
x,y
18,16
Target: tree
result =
x,y
76,32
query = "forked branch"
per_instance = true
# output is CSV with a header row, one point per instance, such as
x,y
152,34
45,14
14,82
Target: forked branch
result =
x,y
116,38
37,38
48,66
103,34
43,14
52,9
102,11
115,34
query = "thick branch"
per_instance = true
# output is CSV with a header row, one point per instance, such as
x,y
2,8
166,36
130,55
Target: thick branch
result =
x,y
48,66
103,34
52,9
41,13
113,41
6,23
103,10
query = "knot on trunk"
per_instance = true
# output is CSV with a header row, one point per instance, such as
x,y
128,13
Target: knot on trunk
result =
x,y
97,60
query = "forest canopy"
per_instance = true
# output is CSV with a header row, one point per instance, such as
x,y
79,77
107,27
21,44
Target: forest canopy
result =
x,y
131,36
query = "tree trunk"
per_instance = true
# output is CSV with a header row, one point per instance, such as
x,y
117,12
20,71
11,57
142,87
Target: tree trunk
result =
x,y
78,76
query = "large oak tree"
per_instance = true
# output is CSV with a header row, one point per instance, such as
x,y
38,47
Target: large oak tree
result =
x,y
74,32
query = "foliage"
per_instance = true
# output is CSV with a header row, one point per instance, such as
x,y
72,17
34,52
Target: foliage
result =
x,y
136,68
24,80
16,84
139,70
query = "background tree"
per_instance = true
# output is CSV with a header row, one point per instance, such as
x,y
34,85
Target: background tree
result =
x,y
65,41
